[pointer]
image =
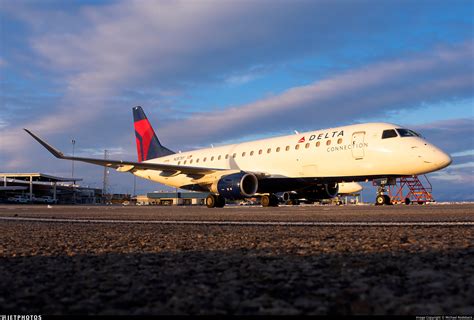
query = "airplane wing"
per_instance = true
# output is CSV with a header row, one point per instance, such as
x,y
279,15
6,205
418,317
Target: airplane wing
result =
x,y
121,165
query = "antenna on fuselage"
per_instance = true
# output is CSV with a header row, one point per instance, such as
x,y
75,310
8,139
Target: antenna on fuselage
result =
x,y
296,132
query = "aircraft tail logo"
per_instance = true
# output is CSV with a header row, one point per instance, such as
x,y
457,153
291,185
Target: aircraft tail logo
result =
x,y
148,145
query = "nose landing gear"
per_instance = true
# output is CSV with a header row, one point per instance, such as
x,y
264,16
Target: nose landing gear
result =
x,y
382,198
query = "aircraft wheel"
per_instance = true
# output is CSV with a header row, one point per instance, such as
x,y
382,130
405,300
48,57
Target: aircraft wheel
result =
x,y
269,201
380,200
273,200
265,201
211,201
407,201
220,203
387,200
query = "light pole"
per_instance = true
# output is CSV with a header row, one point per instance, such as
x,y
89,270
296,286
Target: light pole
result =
x,y
134,185
73,144
72,173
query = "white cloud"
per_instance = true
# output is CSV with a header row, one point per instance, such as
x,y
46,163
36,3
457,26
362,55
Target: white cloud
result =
x,y
240,78
99,152
462,165
463,153
3,124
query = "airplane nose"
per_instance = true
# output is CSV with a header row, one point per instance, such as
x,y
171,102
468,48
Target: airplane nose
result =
x,y
443,159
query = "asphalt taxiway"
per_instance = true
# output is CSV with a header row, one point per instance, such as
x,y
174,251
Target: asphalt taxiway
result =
x,y
237,260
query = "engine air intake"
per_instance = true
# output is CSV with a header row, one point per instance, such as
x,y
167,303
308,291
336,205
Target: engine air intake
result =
x,y
238,185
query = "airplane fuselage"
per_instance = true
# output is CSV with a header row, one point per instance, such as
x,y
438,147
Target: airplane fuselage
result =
x,y
343,154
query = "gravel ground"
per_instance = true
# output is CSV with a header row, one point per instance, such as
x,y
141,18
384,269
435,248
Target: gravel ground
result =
x,y
85,268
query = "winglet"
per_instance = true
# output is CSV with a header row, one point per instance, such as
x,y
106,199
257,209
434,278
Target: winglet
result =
x,y
54,151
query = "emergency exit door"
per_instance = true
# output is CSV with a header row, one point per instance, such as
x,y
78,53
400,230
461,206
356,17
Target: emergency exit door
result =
x,y
358,145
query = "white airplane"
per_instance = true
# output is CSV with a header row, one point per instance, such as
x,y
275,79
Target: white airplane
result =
x,y
314,162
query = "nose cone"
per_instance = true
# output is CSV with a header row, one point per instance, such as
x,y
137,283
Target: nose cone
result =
x,y
442,159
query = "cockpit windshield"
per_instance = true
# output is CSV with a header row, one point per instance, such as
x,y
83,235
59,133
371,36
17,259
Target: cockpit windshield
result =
x,y
390,133
407,133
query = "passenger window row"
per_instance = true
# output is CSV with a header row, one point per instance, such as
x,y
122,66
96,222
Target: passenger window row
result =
x,y
260,151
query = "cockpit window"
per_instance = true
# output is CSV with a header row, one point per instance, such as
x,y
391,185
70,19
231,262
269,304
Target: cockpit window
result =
x,y
389,134
407,133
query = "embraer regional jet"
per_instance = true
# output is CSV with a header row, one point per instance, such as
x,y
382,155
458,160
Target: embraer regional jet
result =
x,y
311,164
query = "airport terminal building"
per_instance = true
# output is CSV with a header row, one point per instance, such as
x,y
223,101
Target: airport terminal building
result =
x,y
41,188
44,188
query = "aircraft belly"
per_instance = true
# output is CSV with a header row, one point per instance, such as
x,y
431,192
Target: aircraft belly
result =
x,y
172,181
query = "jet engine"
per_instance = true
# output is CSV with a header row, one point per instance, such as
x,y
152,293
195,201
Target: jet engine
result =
x,y
236,186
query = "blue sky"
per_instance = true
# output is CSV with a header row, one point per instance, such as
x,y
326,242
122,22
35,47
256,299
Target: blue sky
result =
x,y
224,71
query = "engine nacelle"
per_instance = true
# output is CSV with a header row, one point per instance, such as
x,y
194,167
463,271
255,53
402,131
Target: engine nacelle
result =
x,y
318,192
236,186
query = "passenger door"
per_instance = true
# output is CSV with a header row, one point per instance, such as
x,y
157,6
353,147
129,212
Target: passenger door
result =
x,y
358,145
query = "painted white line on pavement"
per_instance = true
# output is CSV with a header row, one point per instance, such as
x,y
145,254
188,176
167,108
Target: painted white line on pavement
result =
x,y
251,223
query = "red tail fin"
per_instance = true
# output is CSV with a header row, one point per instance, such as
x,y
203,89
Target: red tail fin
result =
x,y
148,145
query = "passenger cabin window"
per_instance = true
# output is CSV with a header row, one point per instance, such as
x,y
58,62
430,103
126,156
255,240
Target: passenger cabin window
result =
x,y
260,151
219,157
318,144
389,134
251,153
243,154
307,145
328,142
278,149
407,133
339,141
204,160
287,148
212,158
269,150
227,156
297,147
234,155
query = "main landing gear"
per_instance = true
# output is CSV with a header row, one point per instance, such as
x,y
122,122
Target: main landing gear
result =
x,y
215,201
270,200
